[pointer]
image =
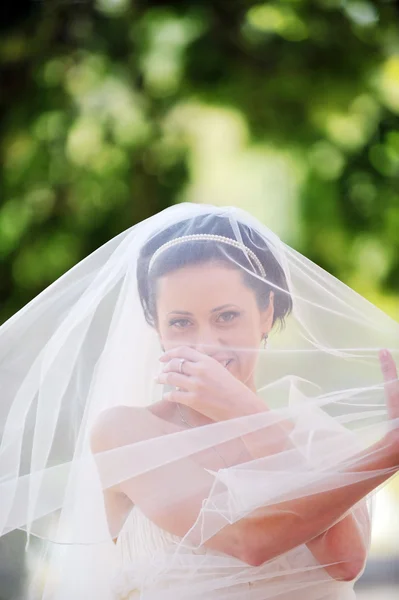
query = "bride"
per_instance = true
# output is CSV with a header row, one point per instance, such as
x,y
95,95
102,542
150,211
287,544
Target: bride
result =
x,y
200,412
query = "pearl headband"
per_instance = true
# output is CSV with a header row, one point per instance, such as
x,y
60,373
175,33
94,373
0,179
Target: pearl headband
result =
x,y
211,237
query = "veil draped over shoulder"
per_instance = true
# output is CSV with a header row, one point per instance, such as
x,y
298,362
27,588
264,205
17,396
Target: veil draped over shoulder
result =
x,y
87,349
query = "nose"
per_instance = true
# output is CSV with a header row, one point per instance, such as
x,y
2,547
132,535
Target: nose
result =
x,y
206,340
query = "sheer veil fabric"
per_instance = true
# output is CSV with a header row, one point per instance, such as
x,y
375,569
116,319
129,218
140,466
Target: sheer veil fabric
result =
x,y
83,357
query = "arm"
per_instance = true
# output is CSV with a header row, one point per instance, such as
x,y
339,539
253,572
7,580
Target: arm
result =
x,y
304,520
266,533
347,538
346,542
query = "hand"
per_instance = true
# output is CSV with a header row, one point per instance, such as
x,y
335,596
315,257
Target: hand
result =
x,y
206,385
391,385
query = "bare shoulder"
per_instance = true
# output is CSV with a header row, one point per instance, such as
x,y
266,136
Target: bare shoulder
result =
x,y
122,425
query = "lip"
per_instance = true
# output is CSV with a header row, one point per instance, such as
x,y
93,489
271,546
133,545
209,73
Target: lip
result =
x,y
226,362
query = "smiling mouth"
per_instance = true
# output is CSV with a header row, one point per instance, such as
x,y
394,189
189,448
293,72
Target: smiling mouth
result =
x,y
226,363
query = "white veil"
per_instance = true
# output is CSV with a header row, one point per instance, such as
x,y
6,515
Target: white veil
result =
x,y
81,358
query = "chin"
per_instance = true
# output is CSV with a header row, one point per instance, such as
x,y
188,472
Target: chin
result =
x,y
233,366
235,370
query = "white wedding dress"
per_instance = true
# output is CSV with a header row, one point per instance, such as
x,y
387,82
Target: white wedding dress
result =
x,y
90,343
143,547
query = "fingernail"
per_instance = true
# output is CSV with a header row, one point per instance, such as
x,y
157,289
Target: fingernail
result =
x,y
384,353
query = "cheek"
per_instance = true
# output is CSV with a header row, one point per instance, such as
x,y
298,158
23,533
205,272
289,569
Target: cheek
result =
x,y
249,338
246,358
244,366
164,338
167,340
172,338
248,334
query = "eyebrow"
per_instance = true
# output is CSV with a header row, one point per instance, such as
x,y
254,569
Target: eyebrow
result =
x,y
185,312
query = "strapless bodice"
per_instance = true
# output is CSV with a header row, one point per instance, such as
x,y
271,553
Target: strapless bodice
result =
x,y
155,566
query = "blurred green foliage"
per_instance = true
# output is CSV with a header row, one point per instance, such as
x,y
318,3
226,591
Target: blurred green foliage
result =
x,y
97,131
111,110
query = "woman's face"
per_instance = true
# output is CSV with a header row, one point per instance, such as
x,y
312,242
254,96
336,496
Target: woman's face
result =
x,y
209,308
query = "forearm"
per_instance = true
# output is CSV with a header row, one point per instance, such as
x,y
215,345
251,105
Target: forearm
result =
x,y
283,526
344,544
270,439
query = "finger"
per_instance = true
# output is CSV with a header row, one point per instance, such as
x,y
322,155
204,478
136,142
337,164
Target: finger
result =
x,y
175,379
391,382
176,365
182,352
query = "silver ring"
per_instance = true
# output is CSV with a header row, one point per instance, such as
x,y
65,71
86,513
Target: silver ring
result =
x,y
182,361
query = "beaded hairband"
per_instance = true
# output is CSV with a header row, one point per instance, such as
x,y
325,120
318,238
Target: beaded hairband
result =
x,y
211,237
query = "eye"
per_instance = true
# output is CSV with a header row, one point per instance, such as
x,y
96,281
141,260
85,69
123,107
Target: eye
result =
x,y
228,316
179,323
